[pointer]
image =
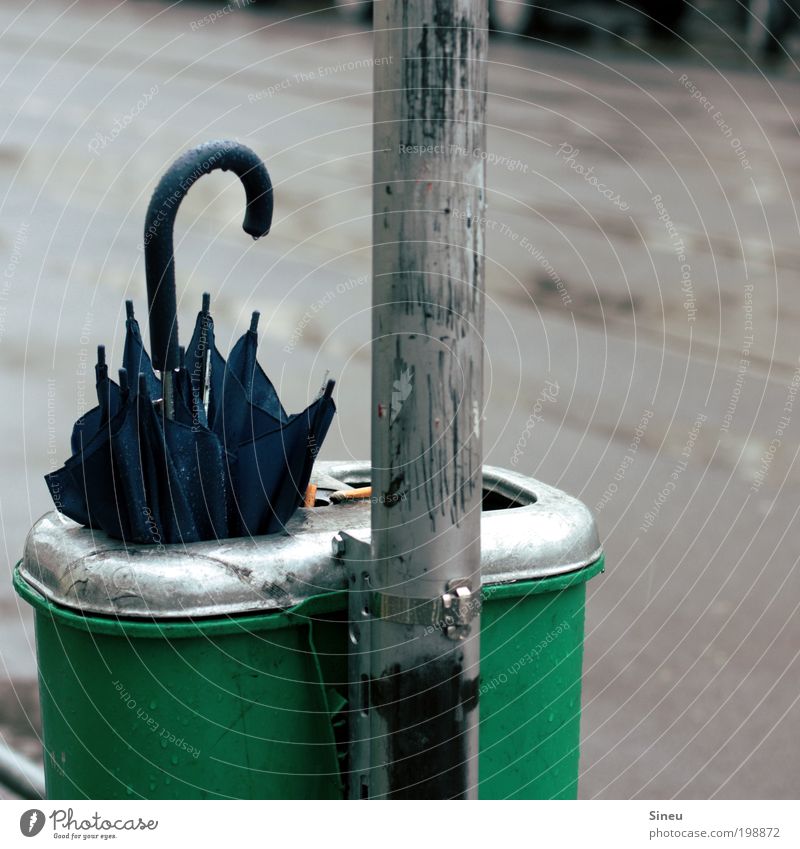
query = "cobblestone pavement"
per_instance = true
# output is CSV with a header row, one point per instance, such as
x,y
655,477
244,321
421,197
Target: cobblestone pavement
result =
x,y
642,243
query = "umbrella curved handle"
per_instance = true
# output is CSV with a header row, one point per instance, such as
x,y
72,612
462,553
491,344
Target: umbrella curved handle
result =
x,y
159,260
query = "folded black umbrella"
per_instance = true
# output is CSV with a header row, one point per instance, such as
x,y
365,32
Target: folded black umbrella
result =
x,y
204,449
269,454
108,400
281,482
135,361
244,366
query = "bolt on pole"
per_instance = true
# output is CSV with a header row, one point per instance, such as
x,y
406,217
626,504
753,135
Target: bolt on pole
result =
x,y
427,396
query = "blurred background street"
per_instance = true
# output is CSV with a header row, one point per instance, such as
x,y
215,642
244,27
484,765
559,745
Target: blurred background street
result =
x,y
642,256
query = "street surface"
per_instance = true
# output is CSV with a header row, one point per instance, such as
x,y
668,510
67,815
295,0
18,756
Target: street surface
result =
x,y
642,337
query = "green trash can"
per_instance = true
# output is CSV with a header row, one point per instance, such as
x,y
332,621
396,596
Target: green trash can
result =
x,y
219,669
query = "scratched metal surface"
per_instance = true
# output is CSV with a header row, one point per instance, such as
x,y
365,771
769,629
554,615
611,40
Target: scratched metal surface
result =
x,y
548,534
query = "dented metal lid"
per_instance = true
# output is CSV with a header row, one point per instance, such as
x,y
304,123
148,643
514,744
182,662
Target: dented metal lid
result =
x,y
529,530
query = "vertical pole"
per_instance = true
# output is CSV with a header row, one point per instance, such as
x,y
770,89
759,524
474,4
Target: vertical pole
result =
x,y
427,393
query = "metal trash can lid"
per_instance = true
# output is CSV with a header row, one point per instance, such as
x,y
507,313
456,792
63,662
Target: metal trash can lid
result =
x,y
529,530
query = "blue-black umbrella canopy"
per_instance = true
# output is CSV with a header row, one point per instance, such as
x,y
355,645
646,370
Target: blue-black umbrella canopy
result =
x,y
204,449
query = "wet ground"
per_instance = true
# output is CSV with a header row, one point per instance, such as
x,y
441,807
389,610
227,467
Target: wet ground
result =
x,y
642,256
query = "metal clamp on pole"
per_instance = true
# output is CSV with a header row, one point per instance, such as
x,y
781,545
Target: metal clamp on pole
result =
x,y
452,612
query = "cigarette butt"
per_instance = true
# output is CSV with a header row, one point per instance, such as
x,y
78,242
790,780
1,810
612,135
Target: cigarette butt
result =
x,y
351,494
311,495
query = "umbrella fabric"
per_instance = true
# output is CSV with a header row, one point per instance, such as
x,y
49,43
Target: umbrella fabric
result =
x,y
108,402
239,468
243,364
196,362
135,359
145,480
90,470
242,403
269,454
276,468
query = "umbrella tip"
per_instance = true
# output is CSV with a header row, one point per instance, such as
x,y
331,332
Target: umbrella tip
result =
x,y
101,355
123,379
129,309
142,385
206,301
254,321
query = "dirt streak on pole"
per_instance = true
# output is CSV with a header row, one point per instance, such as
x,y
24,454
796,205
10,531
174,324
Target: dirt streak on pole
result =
x,y
427,394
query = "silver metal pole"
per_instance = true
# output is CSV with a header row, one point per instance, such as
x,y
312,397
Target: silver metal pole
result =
x,y
427,394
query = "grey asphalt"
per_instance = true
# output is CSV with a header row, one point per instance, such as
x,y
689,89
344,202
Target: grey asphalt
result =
x,y
642,252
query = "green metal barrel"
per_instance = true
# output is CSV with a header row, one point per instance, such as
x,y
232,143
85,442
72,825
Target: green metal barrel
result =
x,y
219,670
